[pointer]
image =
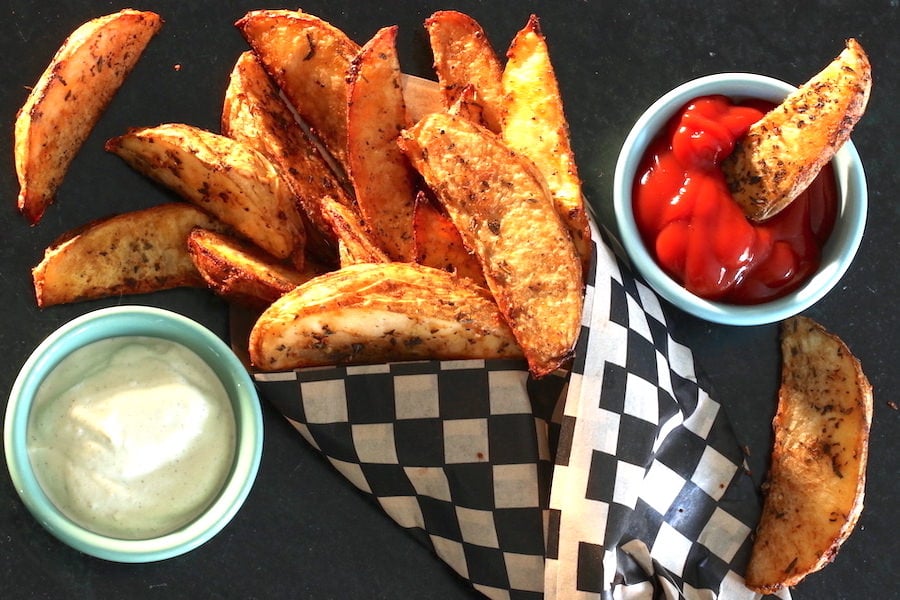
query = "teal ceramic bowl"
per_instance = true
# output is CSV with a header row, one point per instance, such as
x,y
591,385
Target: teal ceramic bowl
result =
x,y
837,254
157,323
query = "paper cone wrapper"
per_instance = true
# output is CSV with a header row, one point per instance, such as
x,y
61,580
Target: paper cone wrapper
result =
x,y
619,479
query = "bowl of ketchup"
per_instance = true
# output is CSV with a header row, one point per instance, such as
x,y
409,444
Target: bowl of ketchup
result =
x,y
691,242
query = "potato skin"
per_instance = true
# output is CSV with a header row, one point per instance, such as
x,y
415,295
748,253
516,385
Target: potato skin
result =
x,y
68,99
381,175
784,151
374,313
133,253
816,483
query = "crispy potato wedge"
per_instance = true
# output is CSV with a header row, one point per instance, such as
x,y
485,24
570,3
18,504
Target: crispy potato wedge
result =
x,y
816,482
463,56
222,176
785,150
378,313
439,245
356,243
380,173
308,59
255,113
68,99
535,125
240,272
500,204
132,253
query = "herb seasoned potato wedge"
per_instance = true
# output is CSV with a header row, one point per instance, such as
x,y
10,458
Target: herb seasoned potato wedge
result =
x,y
240,272
377,313
380,173
534,124
785,150
308,58
132,253
355,242
500,204
816,482
222,176
463,57
68,99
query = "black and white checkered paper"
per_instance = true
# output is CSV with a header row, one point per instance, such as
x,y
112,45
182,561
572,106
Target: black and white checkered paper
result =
x,y
621,479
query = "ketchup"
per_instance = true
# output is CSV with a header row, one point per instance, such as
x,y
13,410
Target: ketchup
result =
x,y
695,230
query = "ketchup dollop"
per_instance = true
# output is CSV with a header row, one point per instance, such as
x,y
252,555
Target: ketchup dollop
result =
x,y
695,230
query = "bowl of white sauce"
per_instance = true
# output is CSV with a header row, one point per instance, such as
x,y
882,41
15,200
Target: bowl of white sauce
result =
x,y
133,434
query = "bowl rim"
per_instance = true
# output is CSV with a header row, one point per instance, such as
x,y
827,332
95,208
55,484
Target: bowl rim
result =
x,y
136,320
837,254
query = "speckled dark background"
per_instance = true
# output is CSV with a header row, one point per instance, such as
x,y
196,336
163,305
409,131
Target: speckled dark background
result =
x,y
304,532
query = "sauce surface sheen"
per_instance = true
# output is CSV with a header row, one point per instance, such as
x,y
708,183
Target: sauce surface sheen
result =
x,y
131,437
699,235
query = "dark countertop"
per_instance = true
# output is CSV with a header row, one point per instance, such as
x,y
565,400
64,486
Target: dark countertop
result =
x,y
304,532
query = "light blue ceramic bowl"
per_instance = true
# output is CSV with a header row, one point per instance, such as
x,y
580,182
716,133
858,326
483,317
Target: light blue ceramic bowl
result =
x,y
837,254
136,321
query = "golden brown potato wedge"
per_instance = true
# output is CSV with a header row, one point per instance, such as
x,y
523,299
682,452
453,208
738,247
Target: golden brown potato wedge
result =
x,y
439,245
222,176
255,113
785,150
356,243
535,125
240,272
380,173
68,99
308,59
500,204
816,482
378,313
132,253
463,56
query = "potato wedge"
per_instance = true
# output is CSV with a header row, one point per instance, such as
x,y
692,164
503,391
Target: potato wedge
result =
x,y
535,125
463,56
785,150
378,313
222,176
355,242
132,253
68,99
308,59
240,272
380,172
255,114
816,482
439,245
500,204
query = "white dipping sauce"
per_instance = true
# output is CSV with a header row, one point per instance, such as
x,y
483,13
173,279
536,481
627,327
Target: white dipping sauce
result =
x,y
131,437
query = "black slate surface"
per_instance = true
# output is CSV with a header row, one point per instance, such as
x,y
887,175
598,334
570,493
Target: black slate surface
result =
x,y
304,532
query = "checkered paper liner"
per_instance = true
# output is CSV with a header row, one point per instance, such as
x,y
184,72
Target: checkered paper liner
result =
x,y
619,479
